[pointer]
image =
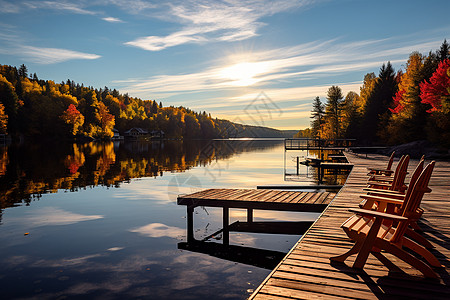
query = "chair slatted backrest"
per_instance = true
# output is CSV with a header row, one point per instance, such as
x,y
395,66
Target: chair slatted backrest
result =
x,y
400,174
391,161
412,200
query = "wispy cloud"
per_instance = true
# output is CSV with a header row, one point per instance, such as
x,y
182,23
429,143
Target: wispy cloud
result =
x,y
7,7
112,20
51,55
211,20
263,69
59,5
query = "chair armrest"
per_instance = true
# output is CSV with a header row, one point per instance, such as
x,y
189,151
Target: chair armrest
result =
x,y
375,214
382,199
390,192
381,193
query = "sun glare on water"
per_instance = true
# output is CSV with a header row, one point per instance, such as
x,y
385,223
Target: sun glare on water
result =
x,y
243,74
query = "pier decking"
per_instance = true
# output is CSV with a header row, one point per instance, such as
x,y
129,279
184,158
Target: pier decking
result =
x,y
306,272
259,199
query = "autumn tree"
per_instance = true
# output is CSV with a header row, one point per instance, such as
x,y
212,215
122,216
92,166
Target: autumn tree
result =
x,y
106,121
409,114
3,120
11,103
436,93
350,116
74,119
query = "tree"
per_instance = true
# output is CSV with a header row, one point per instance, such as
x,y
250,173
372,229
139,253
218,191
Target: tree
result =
x,y
350,116
9,99
106,121
332,110
409,114
317,115
74,119
3,120
444,52
377,105
23,71
436,92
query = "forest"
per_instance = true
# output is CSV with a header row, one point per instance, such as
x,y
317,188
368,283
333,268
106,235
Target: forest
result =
x,y
391,108
37,108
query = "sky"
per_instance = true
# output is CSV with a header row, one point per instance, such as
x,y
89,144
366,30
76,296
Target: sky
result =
x,y
256,62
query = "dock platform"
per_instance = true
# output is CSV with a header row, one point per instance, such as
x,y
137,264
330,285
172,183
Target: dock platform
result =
x,y
259,199
307,273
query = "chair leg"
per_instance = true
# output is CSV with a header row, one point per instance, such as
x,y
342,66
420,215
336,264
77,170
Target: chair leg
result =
x,y
430,258
354,250
368,243
409,259
418,238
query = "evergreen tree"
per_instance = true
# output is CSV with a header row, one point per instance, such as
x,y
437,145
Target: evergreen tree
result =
x,y
317,115
332,110
378,103
444,52
23,71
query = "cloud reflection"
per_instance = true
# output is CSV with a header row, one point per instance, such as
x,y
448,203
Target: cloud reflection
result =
x,y
55,216
160,230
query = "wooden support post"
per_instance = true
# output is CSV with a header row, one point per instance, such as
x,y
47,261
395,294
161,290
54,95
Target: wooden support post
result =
x,y
249,215
298,164
190,223
226,231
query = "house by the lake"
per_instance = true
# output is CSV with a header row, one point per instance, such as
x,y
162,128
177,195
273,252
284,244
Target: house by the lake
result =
x,y
116,136
137,133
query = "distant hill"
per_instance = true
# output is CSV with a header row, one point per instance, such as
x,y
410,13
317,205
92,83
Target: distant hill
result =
x,y
240,130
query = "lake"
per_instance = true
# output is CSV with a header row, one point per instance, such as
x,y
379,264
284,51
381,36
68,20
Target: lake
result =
x,y
100,220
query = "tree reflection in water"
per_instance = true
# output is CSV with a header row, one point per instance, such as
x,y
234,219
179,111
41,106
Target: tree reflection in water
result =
x,y
27,171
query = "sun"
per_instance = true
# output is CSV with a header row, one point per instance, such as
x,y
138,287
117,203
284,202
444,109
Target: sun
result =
x,y
244,73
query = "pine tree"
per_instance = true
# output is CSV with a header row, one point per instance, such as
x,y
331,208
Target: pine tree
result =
x,y
317,115
378,103
23,71
332,110
444,52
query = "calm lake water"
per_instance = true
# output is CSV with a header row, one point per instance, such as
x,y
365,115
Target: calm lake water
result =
x,y
100,221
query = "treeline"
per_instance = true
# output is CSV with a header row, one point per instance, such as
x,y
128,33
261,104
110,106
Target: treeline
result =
x,y
42,108
393,107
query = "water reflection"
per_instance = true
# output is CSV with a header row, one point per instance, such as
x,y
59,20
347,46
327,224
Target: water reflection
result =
x,y
28,171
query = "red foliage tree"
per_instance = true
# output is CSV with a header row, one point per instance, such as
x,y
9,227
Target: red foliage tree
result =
x,y
437,91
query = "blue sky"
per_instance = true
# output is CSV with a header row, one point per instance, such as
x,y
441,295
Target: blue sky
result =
x,y
255,62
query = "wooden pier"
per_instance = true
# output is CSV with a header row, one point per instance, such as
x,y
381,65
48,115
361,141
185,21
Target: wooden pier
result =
x,y
259,199
306,271
251,199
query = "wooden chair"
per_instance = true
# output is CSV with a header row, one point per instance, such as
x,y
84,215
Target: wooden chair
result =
x,y
394,183
395,190
371,234
386,171
375,199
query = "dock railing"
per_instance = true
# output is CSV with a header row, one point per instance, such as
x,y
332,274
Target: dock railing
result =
x,y
316,144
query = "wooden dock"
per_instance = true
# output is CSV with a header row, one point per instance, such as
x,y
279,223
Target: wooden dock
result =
x,y
259,199
307,273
